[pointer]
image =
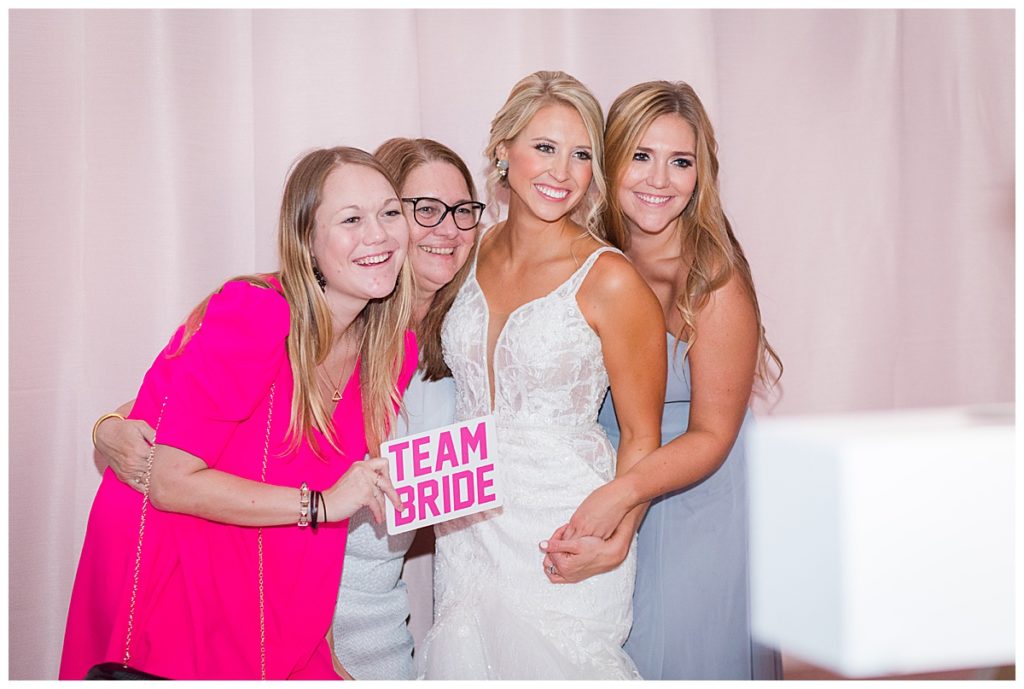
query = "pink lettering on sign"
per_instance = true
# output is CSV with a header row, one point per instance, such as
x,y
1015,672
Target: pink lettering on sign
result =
x,y
474,443
442,474
462,489
446,494
446,454
408,495
427,498
396,451
420,456
482,484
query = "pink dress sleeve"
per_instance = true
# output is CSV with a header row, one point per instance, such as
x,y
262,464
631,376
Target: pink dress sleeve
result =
x,y
225,369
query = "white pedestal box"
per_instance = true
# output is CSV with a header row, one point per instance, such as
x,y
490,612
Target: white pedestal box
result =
x,y
882,543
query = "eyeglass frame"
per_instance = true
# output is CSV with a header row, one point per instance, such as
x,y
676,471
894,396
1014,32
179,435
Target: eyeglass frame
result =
x,y
447,209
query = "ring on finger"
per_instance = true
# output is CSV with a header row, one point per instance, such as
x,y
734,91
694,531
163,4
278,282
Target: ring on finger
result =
x,y
551,569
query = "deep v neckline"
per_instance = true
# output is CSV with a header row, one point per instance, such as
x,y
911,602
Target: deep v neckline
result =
x,y
491,379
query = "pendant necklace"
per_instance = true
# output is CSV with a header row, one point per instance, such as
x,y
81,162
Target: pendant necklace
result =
x,y
336,397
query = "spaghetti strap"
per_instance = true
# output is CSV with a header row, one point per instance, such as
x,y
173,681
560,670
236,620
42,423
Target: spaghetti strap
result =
x,y
573,283
542,378
476,252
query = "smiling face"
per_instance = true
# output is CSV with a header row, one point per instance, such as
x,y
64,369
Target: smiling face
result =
x,y
360,237
656,185
437,252
549,163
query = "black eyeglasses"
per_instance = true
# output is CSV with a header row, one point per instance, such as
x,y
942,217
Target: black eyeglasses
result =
x,y
430,212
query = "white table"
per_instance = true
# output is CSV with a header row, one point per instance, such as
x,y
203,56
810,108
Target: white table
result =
x,y
882,543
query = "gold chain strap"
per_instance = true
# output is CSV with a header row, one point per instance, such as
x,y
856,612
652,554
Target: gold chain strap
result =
x,y
259,542
142,530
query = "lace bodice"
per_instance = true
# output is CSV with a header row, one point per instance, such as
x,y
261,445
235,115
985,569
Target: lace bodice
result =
x,y
496,615
548,366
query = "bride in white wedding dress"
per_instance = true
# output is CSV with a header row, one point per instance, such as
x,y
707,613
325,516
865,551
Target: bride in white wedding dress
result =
x,y
549,315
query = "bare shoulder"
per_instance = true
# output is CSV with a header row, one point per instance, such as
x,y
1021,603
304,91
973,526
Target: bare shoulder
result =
x,y
731,300
614,293
612,276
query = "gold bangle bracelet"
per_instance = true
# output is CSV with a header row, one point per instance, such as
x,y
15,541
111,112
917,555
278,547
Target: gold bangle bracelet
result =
x,y
96,426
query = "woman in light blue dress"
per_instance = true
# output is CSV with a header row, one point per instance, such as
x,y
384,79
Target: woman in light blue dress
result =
x,y
691,607
691,604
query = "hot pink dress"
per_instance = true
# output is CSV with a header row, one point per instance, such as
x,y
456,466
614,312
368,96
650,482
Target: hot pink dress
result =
x,y
197,611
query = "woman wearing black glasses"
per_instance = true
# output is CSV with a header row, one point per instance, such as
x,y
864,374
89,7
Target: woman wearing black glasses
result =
x,y
371,638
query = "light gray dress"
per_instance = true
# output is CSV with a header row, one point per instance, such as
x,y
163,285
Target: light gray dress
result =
x,y
371,637
691,604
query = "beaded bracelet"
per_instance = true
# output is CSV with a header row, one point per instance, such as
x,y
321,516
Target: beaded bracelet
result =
x,y
96,426
303,504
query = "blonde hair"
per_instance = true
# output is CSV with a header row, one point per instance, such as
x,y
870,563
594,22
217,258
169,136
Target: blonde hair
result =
x,y
401,156
382,322
528,96
707,238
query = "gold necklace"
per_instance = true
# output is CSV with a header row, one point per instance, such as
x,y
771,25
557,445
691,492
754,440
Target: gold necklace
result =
x,y
336,396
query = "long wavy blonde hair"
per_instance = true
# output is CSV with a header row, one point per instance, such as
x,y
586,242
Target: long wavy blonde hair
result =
x,y
382,322
529,95
401,156
708,242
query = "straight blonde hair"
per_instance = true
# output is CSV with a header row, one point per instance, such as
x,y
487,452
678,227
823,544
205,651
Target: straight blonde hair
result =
x,y
382,322
708,242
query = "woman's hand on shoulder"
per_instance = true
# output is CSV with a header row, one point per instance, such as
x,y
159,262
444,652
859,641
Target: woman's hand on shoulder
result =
x,y
125,445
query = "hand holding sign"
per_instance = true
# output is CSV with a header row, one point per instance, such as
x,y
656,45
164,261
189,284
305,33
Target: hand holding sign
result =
x,y
442,474
365,483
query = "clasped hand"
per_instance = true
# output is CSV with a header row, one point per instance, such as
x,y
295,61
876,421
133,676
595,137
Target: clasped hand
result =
x,y
591,543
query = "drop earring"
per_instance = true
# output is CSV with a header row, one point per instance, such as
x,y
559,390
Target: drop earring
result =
x,y
320,279
502,166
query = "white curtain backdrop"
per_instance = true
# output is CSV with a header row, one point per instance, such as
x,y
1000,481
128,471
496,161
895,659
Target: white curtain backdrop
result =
x,y
867,165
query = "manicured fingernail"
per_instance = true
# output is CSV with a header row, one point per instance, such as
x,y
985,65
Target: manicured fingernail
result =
x,y
543,545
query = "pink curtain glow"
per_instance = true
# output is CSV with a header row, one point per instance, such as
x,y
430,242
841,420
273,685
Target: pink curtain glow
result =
x,y
867,165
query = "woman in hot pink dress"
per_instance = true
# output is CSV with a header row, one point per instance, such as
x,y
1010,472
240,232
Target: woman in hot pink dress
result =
x,y
273,382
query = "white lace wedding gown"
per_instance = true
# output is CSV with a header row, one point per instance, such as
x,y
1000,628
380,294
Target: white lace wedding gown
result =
x,y
496,615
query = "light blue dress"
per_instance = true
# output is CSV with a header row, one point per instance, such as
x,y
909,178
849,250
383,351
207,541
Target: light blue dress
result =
x,y
371,637
691,604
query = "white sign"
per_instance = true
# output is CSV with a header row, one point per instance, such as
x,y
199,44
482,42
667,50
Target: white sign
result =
x,y
442,474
